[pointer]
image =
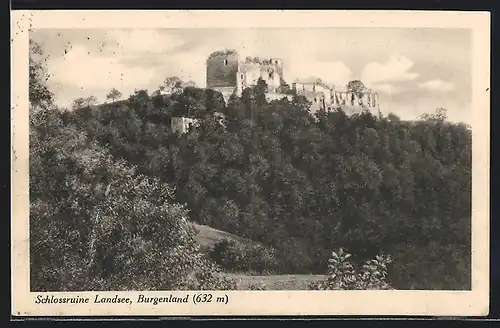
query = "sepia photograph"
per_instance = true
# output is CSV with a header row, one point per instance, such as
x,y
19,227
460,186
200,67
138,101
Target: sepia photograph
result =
x,y
188,165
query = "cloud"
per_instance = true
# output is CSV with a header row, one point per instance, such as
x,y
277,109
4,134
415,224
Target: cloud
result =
x,y
143,40
395,69
437,85
384,87
334,72
188,65
297,49
190,62
82,69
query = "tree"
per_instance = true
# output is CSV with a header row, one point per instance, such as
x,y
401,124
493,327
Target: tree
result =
x,y
39,94
90,101
393,117
84,102
98,224
140,95
356,86
173,84
114,94
438,116
305,186
261,86
190,83
78,103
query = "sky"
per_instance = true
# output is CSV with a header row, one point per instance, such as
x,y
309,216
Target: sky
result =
x,y
414,70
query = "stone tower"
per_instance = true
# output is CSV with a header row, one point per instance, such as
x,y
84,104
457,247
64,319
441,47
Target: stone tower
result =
x,y
228,74
222,69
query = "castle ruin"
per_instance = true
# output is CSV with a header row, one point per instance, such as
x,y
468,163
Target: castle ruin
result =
x,y
228,74
183,124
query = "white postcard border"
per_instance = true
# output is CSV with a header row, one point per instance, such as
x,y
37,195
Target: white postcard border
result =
x,y
441,303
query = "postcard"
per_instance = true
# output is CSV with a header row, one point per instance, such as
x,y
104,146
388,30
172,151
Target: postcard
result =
x,y
246,163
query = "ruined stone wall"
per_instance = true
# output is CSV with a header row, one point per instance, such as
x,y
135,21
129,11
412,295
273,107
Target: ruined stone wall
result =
x,y
278,96
278,65
250,73
182,124
341,98
313,92
226,73
221,70
224,90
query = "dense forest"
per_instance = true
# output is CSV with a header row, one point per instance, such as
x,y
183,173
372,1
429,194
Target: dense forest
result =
x,y
300,184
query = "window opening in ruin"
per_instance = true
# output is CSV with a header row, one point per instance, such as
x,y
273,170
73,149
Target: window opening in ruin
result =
x,y
225,62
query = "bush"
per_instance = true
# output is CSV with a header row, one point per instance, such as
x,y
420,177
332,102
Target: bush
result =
x,y
260,286
96,224
241,256
342,275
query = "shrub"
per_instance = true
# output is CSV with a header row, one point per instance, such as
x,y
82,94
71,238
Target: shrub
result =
x,y
342,275
260,286
96,224
241,256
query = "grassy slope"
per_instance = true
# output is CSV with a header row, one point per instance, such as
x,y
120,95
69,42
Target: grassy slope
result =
x,y
275,282
208,236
